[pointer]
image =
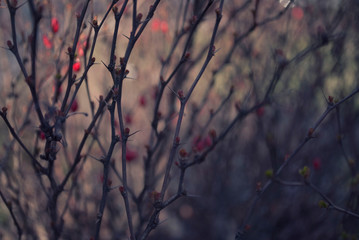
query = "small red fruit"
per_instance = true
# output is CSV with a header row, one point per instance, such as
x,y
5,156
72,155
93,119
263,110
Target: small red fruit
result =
x,y
54,25
317,163
77,66
164,27
130,155
42,135
260,111
142,101
155,26
46,41
74,106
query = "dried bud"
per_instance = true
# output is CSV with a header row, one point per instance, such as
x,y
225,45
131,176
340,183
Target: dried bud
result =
x,y
127,131
122,61
121,189
213,49
93,60
330,99
94,21
127,72
280,57
212,133
162,80
218,12
115,91
4,110
155,196
139,17
180,94
101,98
9,44
183,153
117,71
310,132
187,56
69,50
177,140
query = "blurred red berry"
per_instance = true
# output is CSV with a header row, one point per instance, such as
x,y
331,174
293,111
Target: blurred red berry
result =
x,y
54,25
46,41
128,118
130,155
260,111
208,141
81,51
297,13
164,26
317,163
142,101
76,67
74,106
42,135
155,26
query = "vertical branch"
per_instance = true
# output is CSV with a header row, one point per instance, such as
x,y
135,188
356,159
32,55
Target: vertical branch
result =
x,y
71,53
106,168
184,100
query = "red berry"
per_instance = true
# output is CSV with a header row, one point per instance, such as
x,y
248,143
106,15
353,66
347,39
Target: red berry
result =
x,y
46,41
128,119
42,135
208,141
297,13
54,25
260,111
164,26
130,155
74,106
143,101
317,163
155,26
76,67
